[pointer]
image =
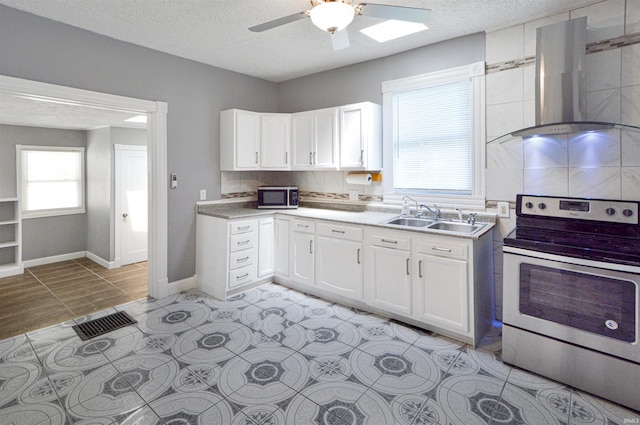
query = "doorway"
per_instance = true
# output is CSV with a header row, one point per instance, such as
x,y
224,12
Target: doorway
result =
x,y
157,280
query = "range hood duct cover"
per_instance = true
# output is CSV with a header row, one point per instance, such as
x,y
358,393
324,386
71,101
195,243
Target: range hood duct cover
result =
x,y
560,81
560,97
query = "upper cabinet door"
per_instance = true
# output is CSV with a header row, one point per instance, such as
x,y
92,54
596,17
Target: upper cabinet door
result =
x,y
301,140
325,137
275,141
239,140
361,137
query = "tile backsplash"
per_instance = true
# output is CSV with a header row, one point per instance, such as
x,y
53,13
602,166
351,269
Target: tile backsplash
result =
x,y
312,184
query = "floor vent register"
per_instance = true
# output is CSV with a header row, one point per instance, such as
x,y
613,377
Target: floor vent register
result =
x,y
103,325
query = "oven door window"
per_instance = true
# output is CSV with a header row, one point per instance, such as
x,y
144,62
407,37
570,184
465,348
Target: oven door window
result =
x,y
596,304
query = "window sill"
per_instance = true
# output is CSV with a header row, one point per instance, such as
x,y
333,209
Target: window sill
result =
x,y
51,213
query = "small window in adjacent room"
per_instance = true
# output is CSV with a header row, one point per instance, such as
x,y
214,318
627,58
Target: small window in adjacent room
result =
x,y
50,180
434,144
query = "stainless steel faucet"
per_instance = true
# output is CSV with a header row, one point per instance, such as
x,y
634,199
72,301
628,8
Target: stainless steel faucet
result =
x,y
435,211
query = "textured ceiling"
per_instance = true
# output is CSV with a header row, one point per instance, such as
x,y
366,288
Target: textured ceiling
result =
x,y
215,32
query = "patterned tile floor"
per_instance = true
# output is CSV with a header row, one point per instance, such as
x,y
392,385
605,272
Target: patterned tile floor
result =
x,y
274,356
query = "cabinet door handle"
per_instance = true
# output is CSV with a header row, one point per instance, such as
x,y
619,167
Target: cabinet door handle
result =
x,y
389,241
338,231
362,156
256,157
286,157
437,248
310,158
420,268
408,259
311,246
358,255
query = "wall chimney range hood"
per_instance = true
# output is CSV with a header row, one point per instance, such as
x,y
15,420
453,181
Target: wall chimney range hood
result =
x,y
560,102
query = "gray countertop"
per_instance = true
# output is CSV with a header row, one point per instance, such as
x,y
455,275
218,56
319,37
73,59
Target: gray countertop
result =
x,y
365,216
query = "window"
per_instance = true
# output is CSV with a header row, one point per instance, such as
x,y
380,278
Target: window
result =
x,y
434,134
51,180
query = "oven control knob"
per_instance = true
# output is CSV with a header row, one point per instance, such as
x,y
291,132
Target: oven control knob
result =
x,y
610,211
529,205
542,205
627,213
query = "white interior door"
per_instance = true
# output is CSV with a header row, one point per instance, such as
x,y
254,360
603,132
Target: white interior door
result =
x,y
131,204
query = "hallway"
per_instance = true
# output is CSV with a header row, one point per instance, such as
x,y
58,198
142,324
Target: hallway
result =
x,y
54,293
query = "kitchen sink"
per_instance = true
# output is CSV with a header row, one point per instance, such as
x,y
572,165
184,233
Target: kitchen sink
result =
x,y
456,227
409,222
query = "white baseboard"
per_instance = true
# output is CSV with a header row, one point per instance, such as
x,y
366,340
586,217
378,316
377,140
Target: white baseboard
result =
x,y
104,263
181,285
54,259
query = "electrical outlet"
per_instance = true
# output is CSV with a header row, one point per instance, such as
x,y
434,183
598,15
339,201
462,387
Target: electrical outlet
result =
x,y
503,209
203,194
353,195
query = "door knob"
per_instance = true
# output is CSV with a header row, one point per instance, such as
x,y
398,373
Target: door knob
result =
x,y
125,215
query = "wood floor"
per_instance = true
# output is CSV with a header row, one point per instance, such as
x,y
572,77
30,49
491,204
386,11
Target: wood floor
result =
x,y
54,293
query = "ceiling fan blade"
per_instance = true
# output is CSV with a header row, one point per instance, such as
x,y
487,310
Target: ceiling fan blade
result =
x,y
340,40
399,13
280,21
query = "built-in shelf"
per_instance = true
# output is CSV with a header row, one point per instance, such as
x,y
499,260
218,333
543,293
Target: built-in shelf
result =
x,y
10,250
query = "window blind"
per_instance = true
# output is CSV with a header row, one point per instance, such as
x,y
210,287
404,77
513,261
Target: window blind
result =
x,y
432,144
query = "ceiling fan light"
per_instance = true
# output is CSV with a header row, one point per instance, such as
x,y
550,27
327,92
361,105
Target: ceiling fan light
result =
x,y
332,16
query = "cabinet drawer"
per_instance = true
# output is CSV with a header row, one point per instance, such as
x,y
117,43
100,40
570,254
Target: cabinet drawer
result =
x,y
339,231
242,276
443,249
236,227
305,226
242,241
392,242
242,258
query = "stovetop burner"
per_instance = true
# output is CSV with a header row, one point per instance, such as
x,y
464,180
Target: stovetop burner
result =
x,y
578,228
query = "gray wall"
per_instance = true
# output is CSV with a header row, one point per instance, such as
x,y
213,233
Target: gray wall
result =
x,y
362,82
99,177
39,49
46,236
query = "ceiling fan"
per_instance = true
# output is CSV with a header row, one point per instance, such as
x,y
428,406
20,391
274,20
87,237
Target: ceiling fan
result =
x,y
334,16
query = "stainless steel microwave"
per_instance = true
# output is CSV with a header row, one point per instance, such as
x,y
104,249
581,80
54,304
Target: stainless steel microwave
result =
x,y
280,197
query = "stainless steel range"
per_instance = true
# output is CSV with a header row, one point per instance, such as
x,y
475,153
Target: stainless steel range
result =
x,y
572,294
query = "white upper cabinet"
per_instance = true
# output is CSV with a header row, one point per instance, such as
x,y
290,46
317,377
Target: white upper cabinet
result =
x,y
275,141
315,139
252,141
361,136
239,140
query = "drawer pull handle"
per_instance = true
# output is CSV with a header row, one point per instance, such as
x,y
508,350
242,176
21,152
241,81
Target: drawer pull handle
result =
x,y
437,248
242,276
408,259
241,260
388,241
244,242
338,231
306,226
420,268
244,227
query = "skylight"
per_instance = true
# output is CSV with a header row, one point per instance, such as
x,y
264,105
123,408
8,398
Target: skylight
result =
x,y
392,29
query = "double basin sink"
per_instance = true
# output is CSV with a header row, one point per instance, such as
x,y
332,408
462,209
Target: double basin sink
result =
x,y
445,225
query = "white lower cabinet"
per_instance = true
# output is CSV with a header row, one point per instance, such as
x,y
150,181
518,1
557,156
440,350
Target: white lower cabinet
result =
x,y
339,259
282,243
233,255
441,292
302,252
388,270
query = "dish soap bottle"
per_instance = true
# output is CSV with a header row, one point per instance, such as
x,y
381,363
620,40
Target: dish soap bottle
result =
x,y
406,209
